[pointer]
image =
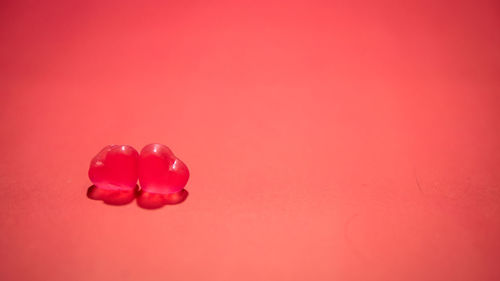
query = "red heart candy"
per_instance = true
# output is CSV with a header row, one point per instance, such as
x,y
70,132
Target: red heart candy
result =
x,y
115,167
160,171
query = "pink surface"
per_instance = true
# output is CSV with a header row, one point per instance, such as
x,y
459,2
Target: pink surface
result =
x,y
325,140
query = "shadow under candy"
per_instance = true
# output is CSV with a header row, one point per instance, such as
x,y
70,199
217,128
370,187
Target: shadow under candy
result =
x,y
148,200
145,200
112,197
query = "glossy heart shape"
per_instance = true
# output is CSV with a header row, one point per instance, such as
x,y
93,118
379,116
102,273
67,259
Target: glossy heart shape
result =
x,y
115,167
160,171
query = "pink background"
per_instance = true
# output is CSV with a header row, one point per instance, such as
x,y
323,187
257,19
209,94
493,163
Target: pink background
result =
x,y
326,140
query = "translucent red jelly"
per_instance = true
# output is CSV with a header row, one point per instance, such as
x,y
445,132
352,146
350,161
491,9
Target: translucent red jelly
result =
x,y
115,167
160,171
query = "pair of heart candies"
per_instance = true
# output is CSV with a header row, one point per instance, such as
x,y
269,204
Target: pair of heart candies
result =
x,y
114,171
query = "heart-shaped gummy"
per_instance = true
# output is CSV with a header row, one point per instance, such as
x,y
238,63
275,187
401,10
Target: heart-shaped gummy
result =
x,y
160,171
115,167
